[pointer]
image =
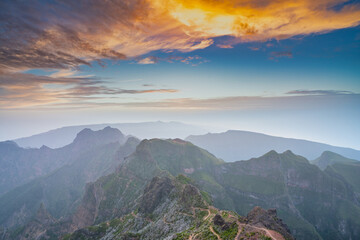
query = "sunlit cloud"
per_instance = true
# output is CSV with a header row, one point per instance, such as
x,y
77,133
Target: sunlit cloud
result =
x,y
85,31
148,60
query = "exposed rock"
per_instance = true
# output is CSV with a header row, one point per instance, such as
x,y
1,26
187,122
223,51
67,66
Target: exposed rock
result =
x,y
218,220
268,219
43,216
86,213
154,193
169,209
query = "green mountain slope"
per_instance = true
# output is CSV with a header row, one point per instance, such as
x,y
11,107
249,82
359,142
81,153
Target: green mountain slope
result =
x,y
328,158
341,167
313,203
116,194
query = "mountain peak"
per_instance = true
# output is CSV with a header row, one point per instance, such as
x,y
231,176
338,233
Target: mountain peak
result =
x,y
329,158
271,153
327,154
289,153
104,136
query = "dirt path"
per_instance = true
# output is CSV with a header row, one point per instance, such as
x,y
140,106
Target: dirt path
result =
x,y
239,230
209,213
192,236
270,233
217,235
202,209
166,222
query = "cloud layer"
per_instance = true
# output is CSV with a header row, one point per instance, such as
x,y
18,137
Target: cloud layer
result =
x,y
65,34
19,90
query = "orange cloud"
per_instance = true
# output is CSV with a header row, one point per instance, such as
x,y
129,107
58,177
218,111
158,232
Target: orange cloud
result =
x,y
84,31
261,20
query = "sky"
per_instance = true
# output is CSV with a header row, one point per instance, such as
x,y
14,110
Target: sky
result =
x,y
287,67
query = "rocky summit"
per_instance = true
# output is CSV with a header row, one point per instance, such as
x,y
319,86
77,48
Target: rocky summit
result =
x,y
171,208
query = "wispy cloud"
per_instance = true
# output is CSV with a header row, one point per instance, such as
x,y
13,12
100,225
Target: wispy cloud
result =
x,y
224,46
27,90
88,30
319,92
281,54
232,103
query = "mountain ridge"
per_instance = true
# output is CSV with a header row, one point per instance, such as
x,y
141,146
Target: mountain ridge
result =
x,y
235,145
62,136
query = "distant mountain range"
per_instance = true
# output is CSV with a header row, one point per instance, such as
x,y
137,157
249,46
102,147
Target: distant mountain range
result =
x,y
91,155
144,130
235,145
110,186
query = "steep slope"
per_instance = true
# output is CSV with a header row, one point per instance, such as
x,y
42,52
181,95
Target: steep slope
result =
x,y
19,165
313,203
61,190
240,145
170,208
328,158
340,167
116,194
144,130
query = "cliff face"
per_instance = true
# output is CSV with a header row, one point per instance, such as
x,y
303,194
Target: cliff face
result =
x,y
268,219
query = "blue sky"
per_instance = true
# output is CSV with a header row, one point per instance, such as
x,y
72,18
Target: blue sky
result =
x,y
296,80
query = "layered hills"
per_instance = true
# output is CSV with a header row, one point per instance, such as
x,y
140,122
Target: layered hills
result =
x,y
235,145
20,165
62,136
172,189
90,156
314,203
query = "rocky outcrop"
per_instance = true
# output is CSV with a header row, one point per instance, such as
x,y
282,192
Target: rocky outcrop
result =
x,y
87,211
268,219
172,209
154,193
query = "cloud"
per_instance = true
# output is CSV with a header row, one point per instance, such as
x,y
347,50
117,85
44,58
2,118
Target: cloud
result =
x,y
19,90
148,60
282,54
232,103
224,46
320,92
254,48
84,31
